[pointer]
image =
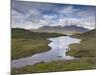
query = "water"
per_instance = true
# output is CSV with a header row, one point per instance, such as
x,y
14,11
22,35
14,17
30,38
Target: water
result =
x,y
59,47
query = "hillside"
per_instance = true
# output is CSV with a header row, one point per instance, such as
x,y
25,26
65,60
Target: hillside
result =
x,y
23,33
88,34
26,43
87,46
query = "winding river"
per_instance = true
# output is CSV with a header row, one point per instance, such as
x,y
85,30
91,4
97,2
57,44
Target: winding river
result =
x,y
59,47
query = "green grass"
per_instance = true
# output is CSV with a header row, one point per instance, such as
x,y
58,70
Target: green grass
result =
x,y
55,66
87,47
85,51
27,47
19,33
26,43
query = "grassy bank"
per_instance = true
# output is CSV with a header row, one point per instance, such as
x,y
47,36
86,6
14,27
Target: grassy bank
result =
x,y
27,47
87,47
26,43
85,51
55,66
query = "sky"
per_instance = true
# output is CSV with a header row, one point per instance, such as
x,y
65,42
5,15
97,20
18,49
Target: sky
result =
x,y
33,15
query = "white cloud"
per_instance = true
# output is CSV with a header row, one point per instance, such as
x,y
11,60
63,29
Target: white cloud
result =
x,y
68,21
27,15
33,13
67,10
79,17
76,21
31,26
48,17
22,21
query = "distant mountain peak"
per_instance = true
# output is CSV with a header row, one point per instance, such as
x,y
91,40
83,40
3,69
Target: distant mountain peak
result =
x,y
70,28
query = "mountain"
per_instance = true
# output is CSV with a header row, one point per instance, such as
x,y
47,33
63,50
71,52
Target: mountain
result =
x,y
59,29
72,27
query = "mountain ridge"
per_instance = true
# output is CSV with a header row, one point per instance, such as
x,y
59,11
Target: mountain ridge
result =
x,y
73,29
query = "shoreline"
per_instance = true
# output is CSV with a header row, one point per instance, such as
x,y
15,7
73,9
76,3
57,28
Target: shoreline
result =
x,y
27,43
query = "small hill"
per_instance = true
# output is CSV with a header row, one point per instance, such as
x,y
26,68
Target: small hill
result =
x,y
23,33
87,47
91,33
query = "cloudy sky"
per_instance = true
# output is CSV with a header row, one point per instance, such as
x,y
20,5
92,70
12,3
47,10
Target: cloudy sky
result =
x,y
32,15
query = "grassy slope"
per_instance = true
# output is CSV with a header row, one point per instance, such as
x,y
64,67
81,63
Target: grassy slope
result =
x,y
85,51
87,48
26,43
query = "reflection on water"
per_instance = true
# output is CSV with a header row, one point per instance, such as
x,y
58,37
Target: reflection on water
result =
x,y
59,46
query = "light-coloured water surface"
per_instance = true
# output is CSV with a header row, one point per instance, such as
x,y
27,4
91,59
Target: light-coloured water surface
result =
x,y
59,47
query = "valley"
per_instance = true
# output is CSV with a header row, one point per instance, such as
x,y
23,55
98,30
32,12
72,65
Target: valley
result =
x,y
85,51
